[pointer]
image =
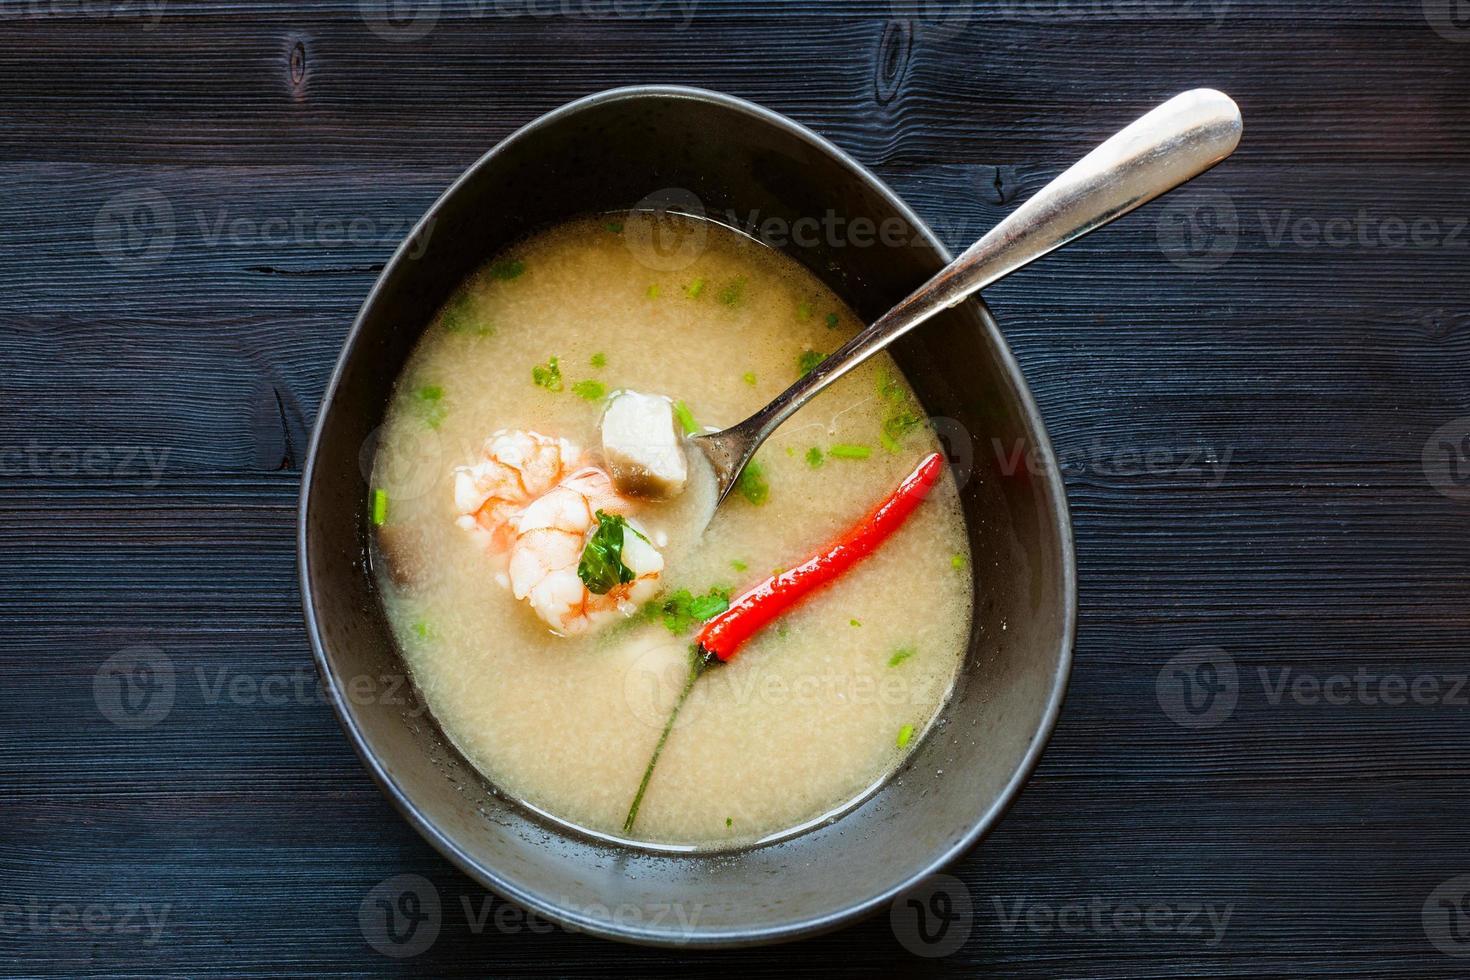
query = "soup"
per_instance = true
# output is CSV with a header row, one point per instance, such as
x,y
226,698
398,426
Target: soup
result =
x,y
561,704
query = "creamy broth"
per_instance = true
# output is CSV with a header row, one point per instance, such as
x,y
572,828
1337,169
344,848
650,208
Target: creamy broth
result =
x,y
809,715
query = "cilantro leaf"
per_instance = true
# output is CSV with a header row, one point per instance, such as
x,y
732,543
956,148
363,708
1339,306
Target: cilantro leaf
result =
x,y
732,293
683,610
547,375
590,390
808,361
507,269
461,316
752,483
428,402
709,606
601,568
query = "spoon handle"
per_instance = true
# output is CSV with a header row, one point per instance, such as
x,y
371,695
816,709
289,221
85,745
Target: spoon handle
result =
x,y
1175,142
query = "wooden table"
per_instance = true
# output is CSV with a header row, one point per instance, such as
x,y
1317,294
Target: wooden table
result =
x,y
1258,389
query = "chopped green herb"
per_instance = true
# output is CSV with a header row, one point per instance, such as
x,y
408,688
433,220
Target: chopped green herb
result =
x,y
853,622
694,289
791,451
428,402
380,507
423,630
752,483
590,390
732,293
804,310
616,227
808,361
784,630
675,611
456,313
738,565
749,378
849,451
709,606
957,561
814,457
888,387
686,418
729,821
601,568
460,316
653,291
507,269
901,423
832,321
683,609
904,734
900,655
599,360
547,375
903,416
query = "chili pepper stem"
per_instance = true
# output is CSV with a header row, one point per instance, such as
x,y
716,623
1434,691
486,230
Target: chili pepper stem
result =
x,y
701,662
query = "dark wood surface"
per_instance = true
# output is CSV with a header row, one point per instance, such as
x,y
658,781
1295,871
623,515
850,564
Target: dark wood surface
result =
x,y
1313,372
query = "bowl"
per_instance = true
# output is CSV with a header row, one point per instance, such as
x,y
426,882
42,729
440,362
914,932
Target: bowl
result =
x,y
695,151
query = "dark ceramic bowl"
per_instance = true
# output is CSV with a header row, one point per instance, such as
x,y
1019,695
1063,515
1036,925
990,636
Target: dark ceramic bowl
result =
x,y
732,158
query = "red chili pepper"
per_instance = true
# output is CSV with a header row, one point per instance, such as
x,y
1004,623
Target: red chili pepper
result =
x,y
754,610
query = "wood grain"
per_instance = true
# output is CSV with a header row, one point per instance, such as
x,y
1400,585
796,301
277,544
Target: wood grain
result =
x,y
1242,444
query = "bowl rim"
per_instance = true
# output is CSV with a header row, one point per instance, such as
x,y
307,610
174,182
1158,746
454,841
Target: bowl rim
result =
x,y
1054,489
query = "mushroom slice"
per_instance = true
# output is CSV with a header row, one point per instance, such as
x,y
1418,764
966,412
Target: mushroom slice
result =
x,y
642,446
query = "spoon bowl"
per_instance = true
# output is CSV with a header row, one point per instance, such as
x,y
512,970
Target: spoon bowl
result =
x,y
1168,146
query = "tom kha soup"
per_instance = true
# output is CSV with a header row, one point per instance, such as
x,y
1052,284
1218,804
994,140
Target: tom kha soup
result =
x,y
552,574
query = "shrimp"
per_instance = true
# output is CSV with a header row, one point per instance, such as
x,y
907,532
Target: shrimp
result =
x,y
548,538
515,468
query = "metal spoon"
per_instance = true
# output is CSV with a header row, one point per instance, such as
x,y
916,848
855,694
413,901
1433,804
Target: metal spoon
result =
x,y
1179,140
